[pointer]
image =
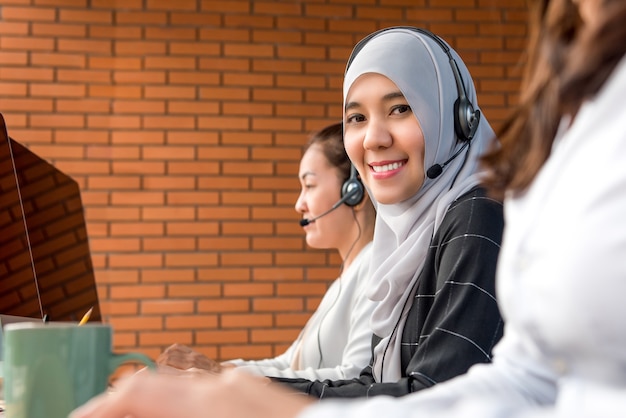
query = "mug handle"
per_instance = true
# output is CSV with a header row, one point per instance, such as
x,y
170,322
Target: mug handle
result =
x,y
116,360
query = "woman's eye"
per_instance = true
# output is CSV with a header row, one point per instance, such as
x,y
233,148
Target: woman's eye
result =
x,y
401,109
355,118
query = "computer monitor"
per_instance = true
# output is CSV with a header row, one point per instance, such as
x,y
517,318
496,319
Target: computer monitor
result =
x,y
45,262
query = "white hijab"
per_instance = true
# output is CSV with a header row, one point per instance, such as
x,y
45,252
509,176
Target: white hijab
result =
x,y
421,70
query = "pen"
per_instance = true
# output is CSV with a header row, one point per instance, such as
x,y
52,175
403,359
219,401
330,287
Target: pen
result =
x,y
86,317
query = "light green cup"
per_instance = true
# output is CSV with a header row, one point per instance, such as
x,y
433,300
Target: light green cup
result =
x,y
50,369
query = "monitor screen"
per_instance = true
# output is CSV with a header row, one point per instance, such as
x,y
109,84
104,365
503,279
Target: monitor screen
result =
x,y
45,262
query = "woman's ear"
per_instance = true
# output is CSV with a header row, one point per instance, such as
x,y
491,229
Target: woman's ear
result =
x,y
364,203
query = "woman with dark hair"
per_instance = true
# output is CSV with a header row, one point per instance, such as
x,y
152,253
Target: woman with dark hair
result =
x,y
337,213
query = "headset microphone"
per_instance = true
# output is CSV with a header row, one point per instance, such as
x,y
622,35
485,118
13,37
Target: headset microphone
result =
x,y
351,193
435,170
305,221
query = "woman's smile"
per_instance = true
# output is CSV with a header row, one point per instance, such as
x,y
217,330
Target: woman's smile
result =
x,y
385,169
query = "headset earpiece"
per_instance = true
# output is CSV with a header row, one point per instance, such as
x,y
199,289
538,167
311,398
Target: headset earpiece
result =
x,y
465,120
352,190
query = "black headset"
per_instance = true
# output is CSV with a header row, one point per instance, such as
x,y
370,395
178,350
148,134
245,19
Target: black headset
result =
x,y
352,193
352,190
466,118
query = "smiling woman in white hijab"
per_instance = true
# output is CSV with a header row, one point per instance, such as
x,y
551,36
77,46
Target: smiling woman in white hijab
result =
x,y
437,234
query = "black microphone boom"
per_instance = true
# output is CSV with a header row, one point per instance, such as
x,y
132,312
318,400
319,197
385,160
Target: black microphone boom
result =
x,y
305,221
347,196
435,170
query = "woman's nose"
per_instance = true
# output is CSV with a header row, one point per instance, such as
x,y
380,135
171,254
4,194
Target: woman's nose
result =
x,y
300,205
376,135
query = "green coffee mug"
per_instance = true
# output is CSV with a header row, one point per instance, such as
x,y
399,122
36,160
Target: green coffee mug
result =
x,y
51,369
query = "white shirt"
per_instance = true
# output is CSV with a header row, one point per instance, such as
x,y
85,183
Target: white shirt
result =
x,y
561,284
339,328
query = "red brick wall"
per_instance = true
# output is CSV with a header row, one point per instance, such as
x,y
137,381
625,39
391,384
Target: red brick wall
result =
x,y
183,121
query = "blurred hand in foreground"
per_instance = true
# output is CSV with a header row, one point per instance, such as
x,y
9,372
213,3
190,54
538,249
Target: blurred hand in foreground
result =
x,y
231,394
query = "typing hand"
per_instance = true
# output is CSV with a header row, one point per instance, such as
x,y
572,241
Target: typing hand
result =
x,y
182,357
